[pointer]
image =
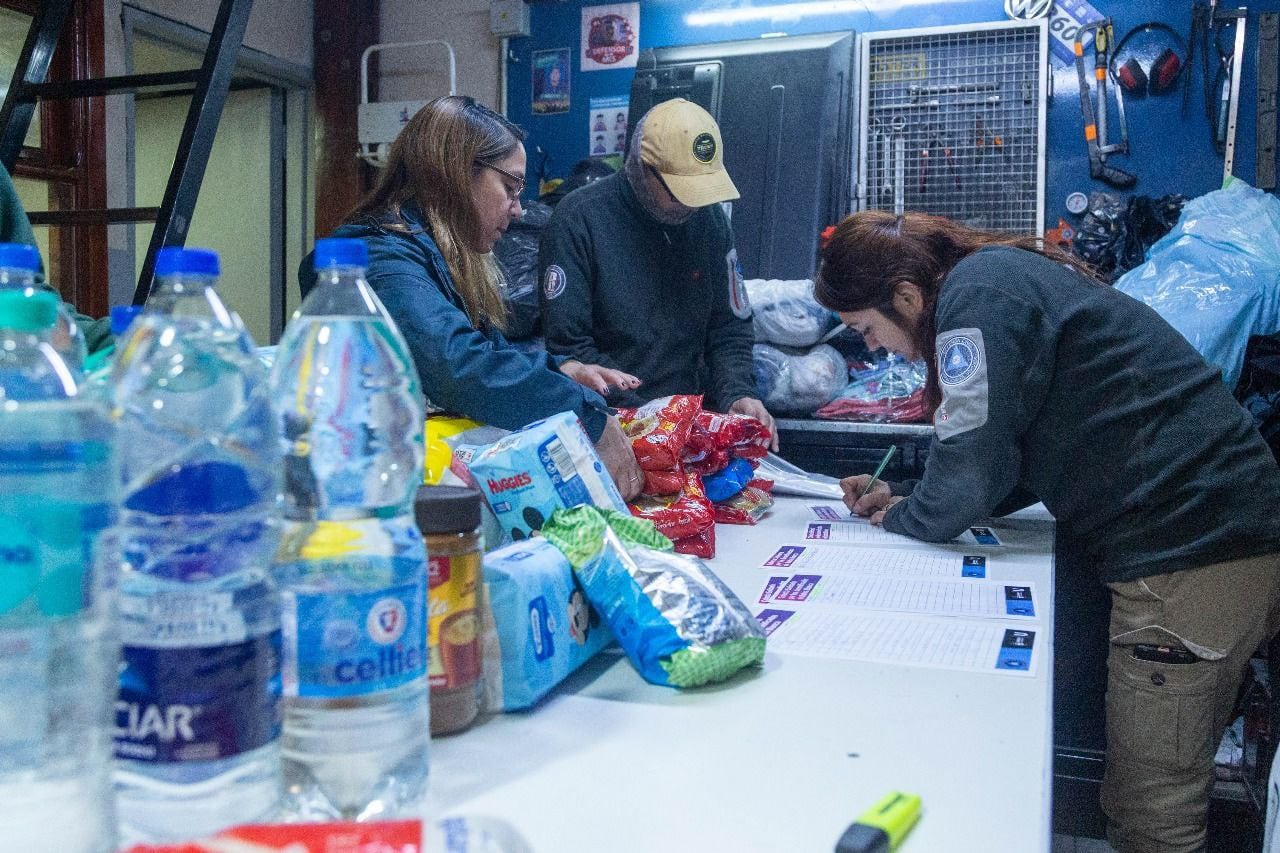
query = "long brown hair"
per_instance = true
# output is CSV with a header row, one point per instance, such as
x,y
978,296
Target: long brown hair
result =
x,y
431,163
871,252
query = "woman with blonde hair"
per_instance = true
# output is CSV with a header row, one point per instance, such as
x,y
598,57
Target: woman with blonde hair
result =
x,y
451,187
1046,383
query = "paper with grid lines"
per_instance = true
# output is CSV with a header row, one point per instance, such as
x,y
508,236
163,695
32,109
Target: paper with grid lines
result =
x,y
928,596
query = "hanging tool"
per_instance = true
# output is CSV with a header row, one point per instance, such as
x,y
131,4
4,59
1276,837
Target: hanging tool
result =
x,y
943,150
1095,131
899,166
1231,88
1268,99
882,141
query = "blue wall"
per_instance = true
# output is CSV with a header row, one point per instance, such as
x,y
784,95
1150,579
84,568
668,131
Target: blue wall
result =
x,y
1172,153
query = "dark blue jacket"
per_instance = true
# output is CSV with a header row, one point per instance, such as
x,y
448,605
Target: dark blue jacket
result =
x,y
471,372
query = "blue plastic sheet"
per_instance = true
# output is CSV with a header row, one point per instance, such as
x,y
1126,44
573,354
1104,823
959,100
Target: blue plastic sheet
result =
x,y
1216,276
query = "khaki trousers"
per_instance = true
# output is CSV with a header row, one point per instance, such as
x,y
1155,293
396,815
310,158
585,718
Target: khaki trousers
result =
x,y
1164,719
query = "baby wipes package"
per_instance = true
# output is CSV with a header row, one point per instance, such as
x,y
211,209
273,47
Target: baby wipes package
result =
x,y
548,465
546,628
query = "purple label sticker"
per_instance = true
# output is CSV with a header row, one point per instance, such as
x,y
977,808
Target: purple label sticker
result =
x,y
818,531
798,588
771,589
826,512
785,556
770,619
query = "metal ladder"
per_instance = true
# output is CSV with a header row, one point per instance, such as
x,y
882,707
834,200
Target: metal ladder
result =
x,y
210,83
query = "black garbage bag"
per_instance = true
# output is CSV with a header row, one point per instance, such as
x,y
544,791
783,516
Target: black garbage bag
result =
x,y
1116,232
1259,388
517,252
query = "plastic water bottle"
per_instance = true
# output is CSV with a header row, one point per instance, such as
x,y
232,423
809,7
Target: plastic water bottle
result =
x,y
57,650
352,566
198,715
19,265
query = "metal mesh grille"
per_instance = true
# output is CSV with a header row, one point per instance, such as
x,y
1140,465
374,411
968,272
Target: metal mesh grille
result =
x,y
952,126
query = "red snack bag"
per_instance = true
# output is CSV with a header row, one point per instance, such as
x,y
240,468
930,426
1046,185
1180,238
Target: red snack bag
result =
x,y
677,516
745,507
701,544
711,462
663,482
659,429
739,434
762,484
403,836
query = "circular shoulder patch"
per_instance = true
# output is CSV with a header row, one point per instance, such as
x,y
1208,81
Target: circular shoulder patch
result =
x,y
553,282
959,360
704,147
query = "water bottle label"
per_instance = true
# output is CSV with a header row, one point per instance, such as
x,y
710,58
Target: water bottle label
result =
x,y
45,548
24,672
198,704
353,644
185,619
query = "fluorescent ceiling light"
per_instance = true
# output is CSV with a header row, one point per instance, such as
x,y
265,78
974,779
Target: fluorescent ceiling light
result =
x,y
793,11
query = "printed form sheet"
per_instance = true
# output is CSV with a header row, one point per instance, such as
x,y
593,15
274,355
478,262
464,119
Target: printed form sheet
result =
x,y
972,597
895,562
958,644
836,525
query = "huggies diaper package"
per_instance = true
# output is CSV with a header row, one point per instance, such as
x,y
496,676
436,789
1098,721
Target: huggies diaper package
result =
x,y
548,465
546,628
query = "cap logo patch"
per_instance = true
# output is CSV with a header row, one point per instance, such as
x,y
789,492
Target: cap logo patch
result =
x,y
704,148
553,282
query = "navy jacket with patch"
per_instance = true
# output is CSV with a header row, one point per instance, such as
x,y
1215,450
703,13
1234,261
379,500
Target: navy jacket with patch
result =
x,y
464,370
1089,400
622,290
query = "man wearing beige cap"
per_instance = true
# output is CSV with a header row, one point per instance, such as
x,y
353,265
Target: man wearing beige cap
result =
x,y
639,273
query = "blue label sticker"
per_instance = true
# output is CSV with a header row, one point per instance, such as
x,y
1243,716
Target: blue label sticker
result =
x,y
1017,601
556,461
541,629
354,644
984,536
1015,650
960,360
198,704
973,566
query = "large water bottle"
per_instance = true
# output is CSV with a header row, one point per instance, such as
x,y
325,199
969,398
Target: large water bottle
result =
x,y
198,715
19,265
352,565
57,652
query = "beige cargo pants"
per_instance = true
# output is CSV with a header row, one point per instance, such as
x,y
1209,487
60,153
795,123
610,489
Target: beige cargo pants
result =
x,y
1165,718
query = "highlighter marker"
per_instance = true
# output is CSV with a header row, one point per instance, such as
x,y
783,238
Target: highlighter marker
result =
x,y
882,827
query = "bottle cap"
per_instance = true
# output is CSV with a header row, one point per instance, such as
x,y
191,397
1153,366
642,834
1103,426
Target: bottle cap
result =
x,y
122,317
174,261
341,252
27,312
447,509
19,256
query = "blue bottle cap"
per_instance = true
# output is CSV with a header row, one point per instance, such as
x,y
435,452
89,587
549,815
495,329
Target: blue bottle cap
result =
x,y
19,256
122,317
174,261
341,252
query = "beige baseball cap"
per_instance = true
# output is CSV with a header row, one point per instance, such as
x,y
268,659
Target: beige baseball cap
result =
x,y
681,140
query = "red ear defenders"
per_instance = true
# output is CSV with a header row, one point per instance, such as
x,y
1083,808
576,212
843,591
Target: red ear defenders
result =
x,y
1162,74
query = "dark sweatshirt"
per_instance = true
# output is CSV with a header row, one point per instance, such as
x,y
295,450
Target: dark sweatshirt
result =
x,y
662,302
1088,399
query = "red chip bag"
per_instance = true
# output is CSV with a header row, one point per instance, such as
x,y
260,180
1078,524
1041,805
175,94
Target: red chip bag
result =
x,y
739,435
762,484
701,544
677,516
711,462
663,482
745,507
659,429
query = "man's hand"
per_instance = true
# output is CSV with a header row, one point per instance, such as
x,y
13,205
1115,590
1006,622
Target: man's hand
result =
x,y
875,502
615,452
597,378
751,407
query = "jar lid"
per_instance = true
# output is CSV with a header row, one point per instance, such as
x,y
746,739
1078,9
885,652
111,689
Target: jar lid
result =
x,y
447,509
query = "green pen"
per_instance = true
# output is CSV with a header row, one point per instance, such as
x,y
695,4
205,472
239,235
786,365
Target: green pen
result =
x,y
882,827
888,454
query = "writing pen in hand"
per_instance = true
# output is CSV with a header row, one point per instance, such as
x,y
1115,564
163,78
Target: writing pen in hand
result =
x,y
888,454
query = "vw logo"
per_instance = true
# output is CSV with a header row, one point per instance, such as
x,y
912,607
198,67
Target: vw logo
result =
x,y
1027,9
